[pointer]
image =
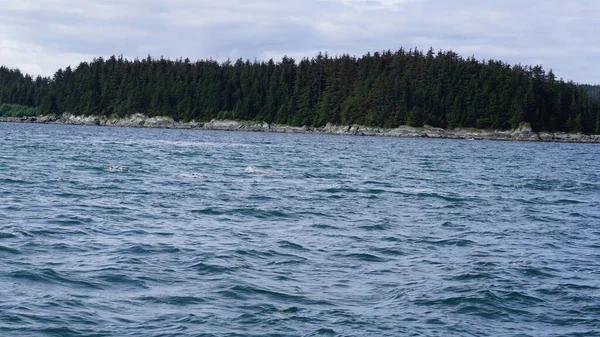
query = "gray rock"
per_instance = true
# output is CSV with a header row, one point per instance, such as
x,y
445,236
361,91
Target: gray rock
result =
x,y
522,133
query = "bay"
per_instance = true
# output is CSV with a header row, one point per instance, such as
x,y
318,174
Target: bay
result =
x,y
154,232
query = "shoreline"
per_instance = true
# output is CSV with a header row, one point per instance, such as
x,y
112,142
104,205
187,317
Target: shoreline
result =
x,y
523,133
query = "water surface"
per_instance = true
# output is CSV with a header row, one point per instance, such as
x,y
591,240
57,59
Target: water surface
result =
x,y
150,232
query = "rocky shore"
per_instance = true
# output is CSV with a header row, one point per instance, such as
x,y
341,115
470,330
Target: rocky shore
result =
x,y
523,133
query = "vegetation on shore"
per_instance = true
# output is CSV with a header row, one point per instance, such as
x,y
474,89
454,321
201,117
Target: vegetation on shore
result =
x,y
16,110
388,89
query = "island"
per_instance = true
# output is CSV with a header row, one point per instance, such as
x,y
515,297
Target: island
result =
x,y
406,93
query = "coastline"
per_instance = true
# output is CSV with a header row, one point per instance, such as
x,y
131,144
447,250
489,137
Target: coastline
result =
x,y
523,133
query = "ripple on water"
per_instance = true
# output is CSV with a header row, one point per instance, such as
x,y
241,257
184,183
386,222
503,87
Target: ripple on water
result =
x,y
9,250
172,300
453,242
4,235
8,181
51,276
292,246
212,269
361,257
146,232
249,212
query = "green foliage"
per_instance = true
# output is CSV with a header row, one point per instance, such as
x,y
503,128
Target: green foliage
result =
x,y
593,91
15,110
388,89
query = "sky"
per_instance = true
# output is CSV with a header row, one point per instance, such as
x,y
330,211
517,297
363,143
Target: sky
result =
x,y
41,36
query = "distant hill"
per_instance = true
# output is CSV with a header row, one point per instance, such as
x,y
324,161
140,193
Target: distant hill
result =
x,y
387,89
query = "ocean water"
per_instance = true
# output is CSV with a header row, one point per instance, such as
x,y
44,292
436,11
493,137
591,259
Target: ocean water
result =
x,y
150,232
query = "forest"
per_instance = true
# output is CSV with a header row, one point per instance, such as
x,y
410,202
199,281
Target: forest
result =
x,y
384,89
592,90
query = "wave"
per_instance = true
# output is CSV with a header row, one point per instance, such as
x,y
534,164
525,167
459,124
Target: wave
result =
x,y
117,169
251,169
51,276
193,175
250,212
9,250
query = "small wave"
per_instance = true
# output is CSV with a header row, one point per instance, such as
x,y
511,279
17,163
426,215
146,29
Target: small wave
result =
x,y
50,276
569,202
63,220
473,276
415,191
550,201
209,211
251,169
292,246
252,212
323,332
292,261
378,227
489,304
183,143
390,251
393,239
146,249
440,196
193,175
453,226
340,190
324,226
15,181
67,195
377,183
210,269
362,257
172,300
373,191
45,232
262,198
257,253
7,235
122,279
117,169
245,291
544,185
535,273
579,287
454,242
275,257
5,249
60,331
516,297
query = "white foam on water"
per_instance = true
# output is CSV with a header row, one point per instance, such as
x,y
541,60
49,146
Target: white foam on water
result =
x,y
251,169
183,143
415,190
193,175
117,168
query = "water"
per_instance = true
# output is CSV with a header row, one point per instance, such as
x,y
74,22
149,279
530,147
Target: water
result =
x,y
148,232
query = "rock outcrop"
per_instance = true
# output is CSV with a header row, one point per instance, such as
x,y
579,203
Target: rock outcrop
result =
x,y
522,133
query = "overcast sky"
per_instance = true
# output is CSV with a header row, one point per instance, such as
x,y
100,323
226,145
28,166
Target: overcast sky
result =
x,y
41,36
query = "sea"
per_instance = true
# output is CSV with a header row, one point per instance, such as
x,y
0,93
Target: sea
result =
x,y
157,232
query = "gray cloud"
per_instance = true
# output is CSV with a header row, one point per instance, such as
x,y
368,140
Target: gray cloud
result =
x,y
40,36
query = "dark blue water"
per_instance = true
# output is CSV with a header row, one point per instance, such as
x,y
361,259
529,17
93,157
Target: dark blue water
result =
x,y
148,232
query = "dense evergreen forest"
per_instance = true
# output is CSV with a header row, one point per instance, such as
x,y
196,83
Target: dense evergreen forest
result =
x,y
593,91
388,89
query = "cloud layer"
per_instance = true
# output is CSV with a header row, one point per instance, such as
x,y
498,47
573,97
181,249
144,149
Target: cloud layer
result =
x,y
40,36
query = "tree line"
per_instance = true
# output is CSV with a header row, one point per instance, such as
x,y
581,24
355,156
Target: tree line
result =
x,y
387,89
592,90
